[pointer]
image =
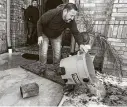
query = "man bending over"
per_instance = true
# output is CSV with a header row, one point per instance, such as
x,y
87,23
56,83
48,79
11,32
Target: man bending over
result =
x,y
50,27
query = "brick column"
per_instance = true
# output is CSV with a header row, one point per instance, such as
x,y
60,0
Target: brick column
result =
x,y
3,22
17,24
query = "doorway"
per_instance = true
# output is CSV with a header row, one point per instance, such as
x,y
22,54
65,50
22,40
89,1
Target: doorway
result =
x,y
18,29
46,5
51,5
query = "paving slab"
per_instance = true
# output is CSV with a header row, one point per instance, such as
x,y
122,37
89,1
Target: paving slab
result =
x,y
12,77
50,93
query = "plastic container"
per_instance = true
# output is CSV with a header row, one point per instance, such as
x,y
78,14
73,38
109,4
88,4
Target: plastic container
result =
x,y
78,68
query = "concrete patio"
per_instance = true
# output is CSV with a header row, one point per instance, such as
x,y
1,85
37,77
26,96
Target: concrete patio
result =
x,y
11,78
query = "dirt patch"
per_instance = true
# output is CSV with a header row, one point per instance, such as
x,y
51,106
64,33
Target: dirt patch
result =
x,y
116,93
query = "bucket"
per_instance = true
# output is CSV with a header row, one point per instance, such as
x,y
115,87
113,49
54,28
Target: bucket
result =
x,y
78,68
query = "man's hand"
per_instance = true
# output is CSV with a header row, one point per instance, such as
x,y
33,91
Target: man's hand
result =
x,y
85,48
40,40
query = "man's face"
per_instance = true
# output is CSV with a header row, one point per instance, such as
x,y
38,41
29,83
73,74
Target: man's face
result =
x,y
34,3
69,15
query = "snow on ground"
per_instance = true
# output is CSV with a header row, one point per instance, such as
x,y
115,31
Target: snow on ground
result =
x,y
116,94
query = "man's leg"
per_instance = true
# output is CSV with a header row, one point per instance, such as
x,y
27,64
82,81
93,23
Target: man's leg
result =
x,y
72,44
56,46
43,48
34,35
31,28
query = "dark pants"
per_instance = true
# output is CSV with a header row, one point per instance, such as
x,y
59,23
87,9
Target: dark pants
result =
x,y
32,33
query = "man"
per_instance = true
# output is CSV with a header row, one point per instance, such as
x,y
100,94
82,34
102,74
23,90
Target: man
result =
x,y
50,27
32,16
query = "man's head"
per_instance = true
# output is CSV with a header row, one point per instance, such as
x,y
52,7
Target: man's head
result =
x,y
69,12
34,3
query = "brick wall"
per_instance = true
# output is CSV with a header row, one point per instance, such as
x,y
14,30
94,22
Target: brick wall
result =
x,y
17,24
110,17
117,34
3,19
98,10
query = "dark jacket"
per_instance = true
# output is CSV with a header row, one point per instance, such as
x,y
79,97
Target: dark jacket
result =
x,y
52,25
32,14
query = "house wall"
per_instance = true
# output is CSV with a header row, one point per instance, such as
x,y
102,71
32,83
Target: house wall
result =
x,y
97,10
110,18
117,34
3,29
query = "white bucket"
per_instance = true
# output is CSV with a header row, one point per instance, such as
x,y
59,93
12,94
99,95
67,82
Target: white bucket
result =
x,y
77,68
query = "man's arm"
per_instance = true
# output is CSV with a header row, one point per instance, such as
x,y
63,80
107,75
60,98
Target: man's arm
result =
x,y
79,39
75,32
44,20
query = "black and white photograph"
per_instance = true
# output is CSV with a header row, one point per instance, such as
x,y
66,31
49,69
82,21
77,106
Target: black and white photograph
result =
x,y
63,53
